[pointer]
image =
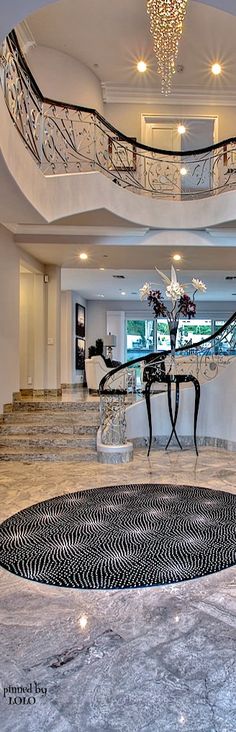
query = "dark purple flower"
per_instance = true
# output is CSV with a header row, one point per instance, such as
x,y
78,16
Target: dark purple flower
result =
x,y
187,307
155,300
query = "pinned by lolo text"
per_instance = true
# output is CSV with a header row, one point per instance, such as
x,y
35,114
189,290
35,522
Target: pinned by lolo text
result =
x,y
24,695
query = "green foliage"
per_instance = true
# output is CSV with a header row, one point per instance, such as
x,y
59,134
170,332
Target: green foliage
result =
x,y
136,327
162,328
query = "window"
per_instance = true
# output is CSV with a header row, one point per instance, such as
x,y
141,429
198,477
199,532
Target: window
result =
x,y
193,331
225,346
139,338
146,336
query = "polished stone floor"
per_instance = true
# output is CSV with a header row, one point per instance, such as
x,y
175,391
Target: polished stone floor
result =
x,y
149,660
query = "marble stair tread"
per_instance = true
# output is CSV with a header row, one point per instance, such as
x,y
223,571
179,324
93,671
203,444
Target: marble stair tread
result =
x,y
35,454
49,440
31,406
31,428
54,418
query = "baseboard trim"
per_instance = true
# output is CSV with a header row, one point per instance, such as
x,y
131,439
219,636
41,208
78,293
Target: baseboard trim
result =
x,y
186,441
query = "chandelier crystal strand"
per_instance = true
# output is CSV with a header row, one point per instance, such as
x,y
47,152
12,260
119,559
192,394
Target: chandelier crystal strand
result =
x,y
166,26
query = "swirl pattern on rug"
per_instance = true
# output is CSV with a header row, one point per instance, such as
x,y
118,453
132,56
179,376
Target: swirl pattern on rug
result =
x,y
122,536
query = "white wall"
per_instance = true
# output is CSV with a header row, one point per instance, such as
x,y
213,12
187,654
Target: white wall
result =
x,y
66,336
33,331
26,330
64,78
9,317
127,117
40,336
115,324
53,361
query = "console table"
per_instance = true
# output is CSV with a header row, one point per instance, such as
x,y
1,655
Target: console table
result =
x,y
157,375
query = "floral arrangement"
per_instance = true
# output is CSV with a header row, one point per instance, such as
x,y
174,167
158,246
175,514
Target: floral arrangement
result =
x,y
182,304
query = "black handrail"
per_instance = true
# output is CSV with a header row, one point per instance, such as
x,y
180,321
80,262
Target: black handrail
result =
x,y
159,355
54,103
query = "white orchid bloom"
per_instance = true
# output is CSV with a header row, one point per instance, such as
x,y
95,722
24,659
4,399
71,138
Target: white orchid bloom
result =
x,y
174,291
168,281
199,285
164,277
144,290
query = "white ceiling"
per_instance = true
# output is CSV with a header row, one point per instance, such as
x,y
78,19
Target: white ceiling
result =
x,y
114,35
137,264
95,285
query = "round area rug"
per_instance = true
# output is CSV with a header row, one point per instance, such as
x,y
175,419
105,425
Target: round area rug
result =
x,y
122,536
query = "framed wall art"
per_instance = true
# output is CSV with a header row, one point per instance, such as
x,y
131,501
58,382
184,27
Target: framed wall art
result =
x,y
79,320
79,354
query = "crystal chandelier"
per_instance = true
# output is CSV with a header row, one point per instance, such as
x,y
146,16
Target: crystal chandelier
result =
x,y
166,26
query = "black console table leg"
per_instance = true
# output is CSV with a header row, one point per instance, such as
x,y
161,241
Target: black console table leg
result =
x,y
149,414
196,409
173,420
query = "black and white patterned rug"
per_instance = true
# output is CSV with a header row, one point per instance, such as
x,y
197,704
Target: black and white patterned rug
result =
x,y
122,536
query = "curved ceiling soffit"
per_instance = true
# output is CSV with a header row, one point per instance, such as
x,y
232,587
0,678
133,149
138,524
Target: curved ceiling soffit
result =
x,y
13,13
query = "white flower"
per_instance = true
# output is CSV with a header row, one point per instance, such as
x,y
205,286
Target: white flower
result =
x,y
174,291
144,290
198,285
164,277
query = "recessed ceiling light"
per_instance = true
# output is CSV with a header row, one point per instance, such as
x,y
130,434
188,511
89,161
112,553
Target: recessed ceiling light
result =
x,y
142,67
181,129
83,255
123,293
216,69
177,257
183,171
102,269
99,295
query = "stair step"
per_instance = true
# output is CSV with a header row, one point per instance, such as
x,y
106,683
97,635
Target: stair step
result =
x,y
53,417
42,441
31,428
50,455
49,406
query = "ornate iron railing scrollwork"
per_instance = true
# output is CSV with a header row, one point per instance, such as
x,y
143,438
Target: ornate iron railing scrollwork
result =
x,y
202,361
68,138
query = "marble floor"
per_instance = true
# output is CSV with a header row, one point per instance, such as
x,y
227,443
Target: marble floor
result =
x,y
149,660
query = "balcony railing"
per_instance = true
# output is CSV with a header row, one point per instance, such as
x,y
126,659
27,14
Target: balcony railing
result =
x,y
68,139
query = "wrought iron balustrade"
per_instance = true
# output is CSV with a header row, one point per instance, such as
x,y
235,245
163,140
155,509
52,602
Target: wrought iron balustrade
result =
x,y
68,139
203,361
